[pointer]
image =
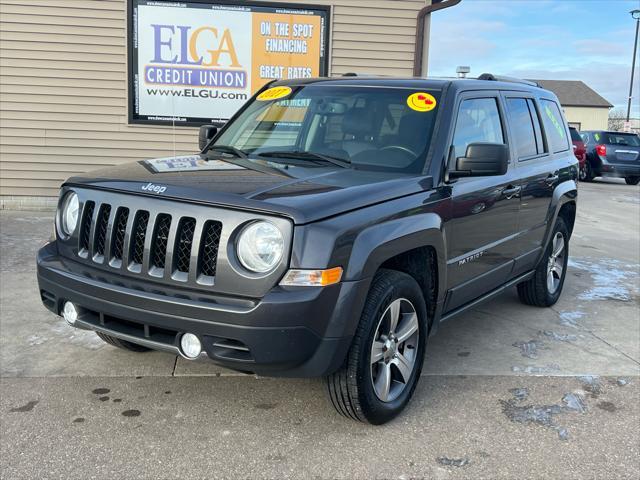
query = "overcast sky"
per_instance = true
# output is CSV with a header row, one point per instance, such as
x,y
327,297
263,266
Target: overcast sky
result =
x,y
588,40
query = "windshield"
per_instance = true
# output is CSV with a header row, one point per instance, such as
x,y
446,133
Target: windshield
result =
x,y
628,139
370,128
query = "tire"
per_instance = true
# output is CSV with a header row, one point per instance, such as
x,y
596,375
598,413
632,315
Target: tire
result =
x,y
632,180
123,344
352,389
539,291
586,173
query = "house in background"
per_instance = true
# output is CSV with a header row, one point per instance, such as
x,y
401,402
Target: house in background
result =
x,y
584,108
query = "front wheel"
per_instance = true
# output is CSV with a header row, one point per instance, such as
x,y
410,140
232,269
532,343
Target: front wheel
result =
x,y
545,287
632,180
384,362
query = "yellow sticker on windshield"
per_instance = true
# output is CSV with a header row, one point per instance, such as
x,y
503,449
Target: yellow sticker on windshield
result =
x,y
274,94
421,102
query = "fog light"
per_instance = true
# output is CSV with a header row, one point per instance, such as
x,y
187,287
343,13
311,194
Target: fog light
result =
x,y
191,346
70,313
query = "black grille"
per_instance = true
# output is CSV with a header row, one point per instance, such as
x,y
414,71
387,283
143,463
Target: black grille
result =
x,y
122,217
160,240
87,219
139,234
209,248
101,228
118,232
184,241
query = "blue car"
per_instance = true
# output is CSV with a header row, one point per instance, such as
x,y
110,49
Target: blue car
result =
x,y
612,154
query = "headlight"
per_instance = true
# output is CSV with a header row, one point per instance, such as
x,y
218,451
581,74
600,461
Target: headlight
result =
x,y
260,247
69,213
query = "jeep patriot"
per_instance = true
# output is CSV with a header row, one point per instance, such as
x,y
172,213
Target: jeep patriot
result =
x,y
324,231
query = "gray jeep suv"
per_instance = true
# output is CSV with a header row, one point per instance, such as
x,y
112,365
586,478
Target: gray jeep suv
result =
x,y
326,230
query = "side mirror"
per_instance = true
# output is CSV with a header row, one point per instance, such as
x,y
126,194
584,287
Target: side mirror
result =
x,y
207,132
482,159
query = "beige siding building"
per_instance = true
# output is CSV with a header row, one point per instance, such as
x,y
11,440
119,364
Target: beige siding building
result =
x,y
587,118
583,107
64,84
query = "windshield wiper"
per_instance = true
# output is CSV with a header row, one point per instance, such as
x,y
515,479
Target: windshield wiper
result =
x,y
225,149
299,154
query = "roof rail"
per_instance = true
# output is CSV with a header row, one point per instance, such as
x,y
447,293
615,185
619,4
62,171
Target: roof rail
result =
x,y
500,78
353,74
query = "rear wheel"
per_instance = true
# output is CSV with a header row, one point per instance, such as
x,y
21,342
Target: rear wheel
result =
x,y
123,344
586,173
545,287
384,362
632,180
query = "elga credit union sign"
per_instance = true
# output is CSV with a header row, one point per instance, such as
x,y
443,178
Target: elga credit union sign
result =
x,y
197,62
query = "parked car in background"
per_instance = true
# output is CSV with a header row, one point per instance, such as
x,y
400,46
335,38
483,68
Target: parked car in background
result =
x,y
612,154
579,150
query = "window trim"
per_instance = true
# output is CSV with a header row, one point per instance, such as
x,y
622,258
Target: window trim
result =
x,y
545,144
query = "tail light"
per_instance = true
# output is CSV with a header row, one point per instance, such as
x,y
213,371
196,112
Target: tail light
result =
x,y
601,150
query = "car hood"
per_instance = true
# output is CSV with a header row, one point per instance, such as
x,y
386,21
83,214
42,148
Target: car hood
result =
x,y
305,194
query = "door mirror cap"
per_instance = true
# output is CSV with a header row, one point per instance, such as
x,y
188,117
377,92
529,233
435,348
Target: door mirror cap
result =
x,y
207,132
482,159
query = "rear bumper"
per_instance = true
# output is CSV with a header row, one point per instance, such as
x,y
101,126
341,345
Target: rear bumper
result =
x,y
302,332
620,170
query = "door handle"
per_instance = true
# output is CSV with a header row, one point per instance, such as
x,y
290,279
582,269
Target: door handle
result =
x,y
511,191
551,179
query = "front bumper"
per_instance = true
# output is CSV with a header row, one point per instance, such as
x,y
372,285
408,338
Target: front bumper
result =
x,y
301,332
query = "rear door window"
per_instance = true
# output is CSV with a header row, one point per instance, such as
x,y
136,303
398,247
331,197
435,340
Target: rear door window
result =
x,y
478,122
526,128
554,126
535,117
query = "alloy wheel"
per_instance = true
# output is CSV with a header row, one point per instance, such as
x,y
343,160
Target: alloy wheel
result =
x,y
394,349
555,265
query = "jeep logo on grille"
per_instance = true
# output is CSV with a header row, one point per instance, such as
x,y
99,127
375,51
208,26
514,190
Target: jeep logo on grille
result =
x,y
150,187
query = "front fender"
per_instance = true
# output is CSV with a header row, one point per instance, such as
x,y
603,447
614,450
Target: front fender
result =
x,y
378,243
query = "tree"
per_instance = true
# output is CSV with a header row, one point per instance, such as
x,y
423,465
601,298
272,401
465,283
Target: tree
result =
x,y
616,120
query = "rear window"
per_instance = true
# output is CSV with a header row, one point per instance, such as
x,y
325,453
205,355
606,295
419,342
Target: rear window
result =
x,y
575,136
554,126
625,139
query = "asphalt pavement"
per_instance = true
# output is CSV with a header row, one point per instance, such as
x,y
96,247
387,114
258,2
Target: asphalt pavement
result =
x,y
508,391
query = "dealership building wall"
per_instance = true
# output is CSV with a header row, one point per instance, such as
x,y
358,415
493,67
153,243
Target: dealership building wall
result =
x,y
63,67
